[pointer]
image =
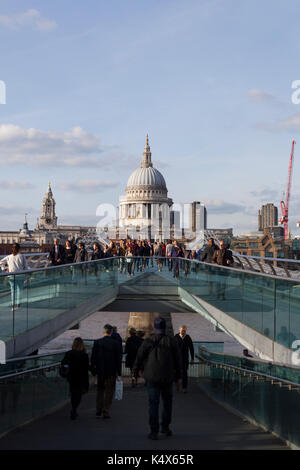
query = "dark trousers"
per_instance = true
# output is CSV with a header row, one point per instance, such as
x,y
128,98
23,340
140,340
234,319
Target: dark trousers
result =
x,y
76,394
154,393
184,376
105,394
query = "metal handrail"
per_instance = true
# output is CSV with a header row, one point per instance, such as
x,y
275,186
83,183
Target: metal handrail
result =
x,y
15,273
249,372
29,371
36,356
284,278
287,260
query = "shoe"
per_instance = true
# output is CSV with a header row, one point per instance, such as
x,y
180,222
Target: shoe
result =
x,y
184,390
166,431
73,415
105,416
98,414
153,436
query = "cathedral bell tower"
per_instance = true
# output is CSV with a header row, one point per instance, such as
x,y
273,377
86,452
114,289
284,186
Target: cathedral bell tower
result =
x,y
48,219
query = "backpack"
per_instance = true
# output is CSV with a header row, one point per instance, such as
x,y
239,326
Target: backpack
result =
x,y
159,367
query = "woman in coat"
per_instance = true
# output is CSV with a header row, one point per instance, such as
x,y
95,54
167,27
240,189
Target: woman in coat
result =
x,y
77,362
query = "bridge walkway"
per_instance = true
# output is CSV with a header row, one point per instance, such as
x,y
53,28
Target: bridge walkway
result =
x,y
198,423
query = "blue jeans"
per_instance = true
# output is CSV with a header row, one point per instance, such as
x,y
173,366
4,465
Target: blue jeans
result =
x,y
154,393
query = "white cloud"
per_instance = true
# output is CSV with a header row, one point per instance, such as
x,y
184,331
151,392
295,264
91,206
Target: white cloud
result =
x,y
223,207
12,210
290,124
260,96
88,186
75,148
28,19
266,194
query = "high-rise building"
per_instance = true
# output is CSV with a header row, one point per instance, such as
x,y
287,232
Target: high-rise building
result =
x,y
198,216
267,216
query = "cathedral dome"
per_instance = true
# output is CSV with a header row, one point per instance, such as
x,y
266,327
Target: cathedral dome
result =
x,y
149,177
146,176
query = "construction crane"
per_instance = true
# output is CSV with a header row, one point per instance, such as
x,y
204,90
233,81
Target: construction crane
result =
x,y
285,205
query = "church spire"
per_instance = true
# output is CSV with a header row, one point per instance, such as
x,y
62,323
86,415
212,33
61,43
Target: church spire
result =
x,y
25,225
146,162
49,190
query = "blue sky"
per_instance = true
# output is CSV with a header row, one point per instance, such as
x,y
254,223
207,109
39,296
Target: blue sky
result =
x,y
209,80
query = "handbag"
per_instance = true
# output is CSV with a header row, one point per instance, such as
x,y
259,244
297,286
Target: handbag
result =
x,y
119,389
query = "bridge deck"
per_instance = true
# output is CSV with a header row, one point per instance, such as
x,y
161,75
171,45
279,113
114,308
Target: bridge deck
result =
x,y
198,423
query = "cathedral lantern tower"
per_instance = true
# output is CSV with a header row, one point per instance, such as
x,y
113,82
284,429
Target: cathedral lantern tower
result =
x,y
144,212
48,219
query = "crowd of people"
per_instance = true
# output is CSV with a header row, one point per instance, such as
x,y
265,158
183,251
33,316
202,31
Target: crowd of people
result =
x,y
161,360
133,256
136,255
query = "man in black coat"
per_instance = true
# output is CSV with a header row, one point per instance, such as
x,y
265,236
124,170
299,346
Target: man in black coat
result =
x,y
57,253
158,358
207,257
186,346
222,257
106,363
209,251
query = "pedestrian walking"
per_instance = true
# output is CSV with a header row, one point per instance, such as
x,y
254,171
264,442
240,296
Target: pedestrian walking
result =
x,y
169,247
175,253
117,337
159,359
157,252
129,261
209,250
185,345
81,255
14,263
70,251
77,363
57,253
132,345
222,257
106,364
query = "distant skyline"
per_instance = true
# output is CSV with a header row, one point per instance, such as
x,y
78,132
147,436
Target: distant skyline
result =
x,y
210,81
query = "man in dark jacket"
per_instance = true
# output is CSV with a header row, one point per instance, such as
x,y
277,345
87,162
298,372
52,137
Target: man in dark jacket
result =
x,y
57,253
209,251
186,346
106,363
159,359
222,257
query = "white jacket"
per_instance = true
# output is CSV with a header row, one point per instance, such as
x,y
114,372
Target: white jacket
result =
x,y
15,263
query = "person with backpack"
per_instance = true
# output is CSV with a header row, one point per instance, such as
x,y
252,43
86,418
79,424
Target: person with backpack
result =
x,y
159,359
